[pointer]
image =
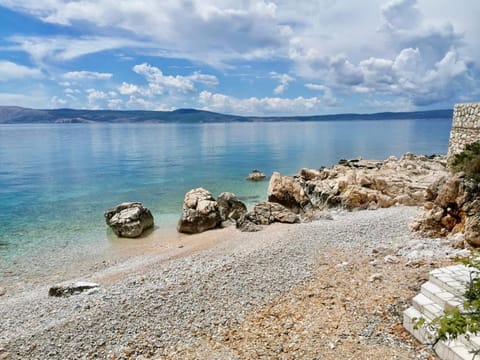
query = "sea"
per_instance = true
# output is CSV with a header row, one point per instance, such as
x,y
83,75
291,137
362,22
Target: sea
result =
x,y
56,180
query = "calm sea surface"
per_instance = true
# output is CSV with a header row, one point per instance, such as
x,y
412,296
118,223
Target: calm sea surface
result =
x,y
57,180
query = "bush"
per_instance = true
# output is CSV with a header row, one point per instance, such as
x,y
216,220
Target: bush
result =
x,y
468,161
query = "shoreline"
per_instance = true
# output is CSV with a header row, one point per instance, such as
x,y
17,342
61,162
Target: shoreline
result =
x,y
173,302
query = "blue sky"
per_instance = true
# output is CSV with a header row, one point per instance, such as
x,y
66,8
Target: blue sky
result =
x,y
242,57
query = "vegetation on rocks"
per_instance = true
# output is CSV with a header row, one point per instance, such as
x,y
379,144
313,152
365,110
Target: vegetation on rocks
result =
x,y
468,161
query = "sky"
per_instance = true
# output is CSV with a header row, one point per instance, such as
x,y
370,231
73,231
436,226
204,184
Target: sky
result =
x,y
246,57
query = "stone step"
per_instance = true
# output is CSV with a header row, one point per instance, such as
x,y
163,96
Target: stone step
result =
x,y
422,334
454,350
427,307
444,290
443,298
459,349
454,279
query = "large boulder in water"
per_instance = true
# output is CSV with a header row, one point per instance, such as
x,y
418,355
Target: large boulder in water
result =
x,y
129,219
199,212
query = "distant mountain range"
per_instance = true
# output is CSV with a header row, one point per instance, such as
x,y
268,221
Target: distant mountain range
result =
x,y
19,115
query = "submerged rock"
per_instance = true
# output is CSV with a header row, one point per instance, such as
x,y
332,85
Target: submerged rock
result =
x,y
129,219
256,175
63,290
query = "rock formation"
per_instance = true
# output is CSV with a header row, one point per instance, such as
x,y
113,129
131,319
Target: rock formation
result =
x,y
202,212
452,206
266,213
199,213
230,207
129,219
256,175
358,184
288,191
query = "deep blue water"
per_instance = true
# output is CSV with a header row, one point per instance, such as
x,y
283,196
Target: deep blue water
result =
x,y
57,180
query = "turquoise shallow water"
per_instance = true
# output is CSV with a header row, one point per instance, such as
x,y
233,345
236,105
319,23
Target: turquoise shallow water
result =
x,y
57,180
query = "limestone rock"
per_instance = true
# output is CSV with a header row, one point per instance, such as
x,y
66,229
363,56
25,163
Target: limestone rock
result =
x,y
472,224
310,174
247,223
230,207
287,191
199,212
358,184
453,207
129,219
265,213
64,290
256,175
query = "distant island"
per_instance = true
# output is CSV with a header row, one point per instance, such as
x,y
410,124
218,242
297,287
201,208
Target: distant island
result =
x,y
19,115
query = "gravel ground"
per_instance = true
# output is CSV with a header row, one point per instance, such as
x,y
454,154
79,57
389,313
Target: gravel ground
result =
x,y
324,290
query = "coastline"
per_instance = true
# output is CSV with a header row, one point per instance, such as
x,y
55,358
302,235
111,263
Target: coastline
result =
x,y
180,301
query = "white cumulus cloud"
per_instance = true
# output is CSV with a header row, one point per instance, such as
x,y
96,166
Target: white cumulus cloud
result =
x,y
12,71
263,106
158,83
90,75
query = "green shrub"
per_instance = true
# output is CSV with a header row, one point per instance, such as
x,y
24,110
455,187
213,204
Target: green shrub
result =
x,y
468,161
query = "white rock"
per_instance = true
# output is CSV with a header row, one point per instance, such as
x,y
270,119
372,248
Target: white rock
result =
x,y
390,259
375,277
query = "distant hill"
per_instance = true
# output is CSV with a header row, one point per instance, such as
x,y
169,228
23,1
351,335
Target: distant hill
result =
x,y
19,115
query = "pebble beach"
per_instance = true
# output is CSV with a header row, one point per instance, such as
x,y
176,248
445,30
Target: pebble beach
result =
x,y
327,289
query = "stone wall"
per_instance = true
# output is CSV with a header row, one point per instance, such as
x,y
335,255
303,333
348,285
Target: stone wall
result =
x,y
465,127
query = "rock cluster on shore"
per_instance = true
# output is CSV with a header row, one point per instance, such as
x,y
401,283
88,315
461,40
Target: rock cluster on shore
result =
x,y
450,201
359,184
352,184
202,212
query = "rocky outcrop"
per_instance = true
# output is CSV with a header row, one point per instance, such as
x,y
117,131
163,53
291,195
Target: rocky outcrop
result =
x,y
358,184
199,213
64,290
256,175
450,202
287,191
202,212
452,207
129,219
